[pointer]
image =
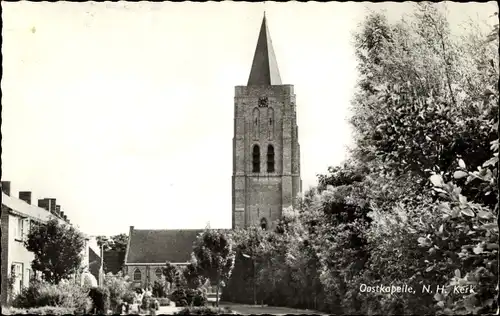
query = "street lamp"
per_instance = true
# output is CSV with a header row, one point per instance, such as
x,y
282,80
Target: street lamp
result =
x,y
101,272
253,268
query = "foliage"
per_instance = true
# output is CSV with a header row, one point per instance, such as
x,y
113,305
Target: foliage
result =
x,y
118,287
204,311
159,288
117,242
64,295
192,275
163,301
44,310
214,255
10,284
100,300
145,302
170,271
422,100
128,296
189,297
55,240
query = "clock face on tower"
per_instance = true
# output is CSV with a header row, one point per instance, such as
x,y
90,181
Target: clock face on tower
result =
x,y
263,102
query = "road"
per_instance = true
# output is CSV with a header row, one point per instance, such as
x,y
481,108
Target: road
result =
x,y
247,310
273,310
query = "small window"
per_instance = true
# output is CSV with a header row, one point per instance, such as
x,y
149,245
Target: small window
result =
x,y
137,275
270,158
158,273
263,224
256,159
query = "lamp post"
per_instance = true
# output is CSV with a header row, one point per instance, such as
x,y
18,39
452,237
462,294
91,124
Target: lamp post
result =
x,y
101,272
253,268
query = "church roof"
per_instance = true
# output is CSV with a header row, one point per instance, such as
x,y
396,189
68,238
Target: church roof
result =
x,y
264,67
158,246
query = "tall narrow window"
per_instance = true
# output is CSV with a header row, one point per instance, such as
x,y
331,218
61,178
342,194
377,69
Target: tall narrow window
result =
x,y
270,128
137,275
270,158
263,223
256,159
256,118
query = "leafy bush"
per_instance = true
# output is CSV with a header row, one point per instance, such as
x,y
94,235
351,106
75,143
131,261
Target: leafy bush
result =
x,y
44,310
189,297
100,299
198,297
159,288
118,286
65,294
163,301
205,310
129,297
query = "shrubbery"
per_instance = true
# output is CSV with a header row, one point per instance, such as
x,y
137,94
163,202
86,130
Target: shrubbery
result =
x,y
100,300
163,301
159,288
64,295
205,310
46,310
189,297
119,288
129,297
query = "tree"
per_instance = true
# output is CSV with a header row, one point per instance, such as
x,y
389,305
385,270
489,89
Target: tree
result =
x,y
191,273
215,257
119,242
117,285
103,242
428,101
170,271
57,248
422,99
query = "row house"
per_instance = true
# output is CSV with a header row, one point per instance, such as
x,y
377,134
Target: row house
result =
x,y
17,218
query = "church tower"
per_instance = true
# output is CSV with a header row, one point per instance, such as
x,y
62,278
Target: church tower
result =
x,y
266,151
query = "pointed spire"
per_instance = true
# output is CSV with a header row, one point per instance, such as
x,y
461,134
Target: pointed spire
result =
x,y
264,67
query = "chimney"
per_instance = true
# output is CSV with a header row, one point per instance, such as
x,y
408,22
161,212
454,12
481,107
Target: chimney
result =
x,y
61,215
43,203
52,206
25,196
6,187
58,210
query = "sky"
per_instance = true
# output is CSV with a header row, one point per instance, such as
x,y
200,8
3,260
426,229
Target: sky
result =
x,y
123,112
